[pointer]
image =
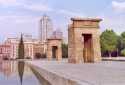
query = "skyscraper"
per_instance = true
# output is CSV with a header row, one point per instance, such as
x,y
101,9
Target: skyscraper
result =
x,y
46,28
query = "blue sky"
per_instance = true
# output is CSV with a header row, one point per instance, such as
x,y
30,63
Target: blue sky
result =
x,y
22,16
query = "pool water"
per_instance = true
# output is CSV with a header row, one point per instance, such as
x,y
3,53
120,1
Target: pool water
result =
x,y
19,73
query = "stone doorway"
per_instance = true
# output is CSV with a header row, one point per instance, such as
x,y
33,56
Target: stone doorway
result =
x,y
54,52
88,48
54,49
84,40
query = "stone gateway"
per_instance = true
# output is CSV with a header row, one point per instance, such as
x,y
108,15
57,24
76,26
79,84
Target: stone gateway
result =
x,y
84,41
54,49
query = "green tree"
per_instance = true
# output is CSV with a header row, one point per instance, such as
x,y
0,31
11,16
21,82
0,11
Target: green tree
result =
x,y
123,40
123,52
21,48
120,45
108,41
65,50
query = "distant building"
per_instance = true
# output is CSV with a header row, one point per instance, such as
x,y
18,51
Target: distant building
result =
x,y
46,28
57,34
29,44
38,48
5,51
34,48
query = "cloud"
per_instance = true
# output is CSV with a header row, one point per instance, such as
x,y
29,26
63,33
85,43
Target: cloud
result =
x,y
71,13
8,2
12,25
19,19
115,23
33,7
118,6
37,7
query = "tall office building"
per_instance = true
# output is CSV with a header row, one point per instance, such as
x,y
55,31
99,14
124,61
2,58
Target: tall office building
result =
x,y
46,28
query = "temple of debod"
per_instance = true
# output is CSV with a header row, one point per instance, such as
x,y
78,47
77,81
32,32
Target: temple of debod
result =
x,y
83,42
83,66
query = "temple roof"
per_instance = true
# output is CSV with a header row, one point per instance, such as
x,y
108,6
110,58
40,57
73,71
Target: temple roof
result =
x,y
86,19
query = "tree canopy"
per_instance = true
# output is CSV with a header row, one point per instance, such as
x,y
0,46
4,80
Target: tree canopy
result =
x,y
108,41
65,50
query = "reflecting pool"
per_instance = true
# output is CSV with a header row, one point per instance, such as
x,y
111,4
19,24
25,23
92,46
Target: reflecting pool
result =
x,y
19,73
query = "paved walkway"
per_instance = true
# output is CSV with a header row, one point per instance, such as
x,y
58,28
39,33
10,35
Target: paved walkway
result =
x,y
103,73
113,58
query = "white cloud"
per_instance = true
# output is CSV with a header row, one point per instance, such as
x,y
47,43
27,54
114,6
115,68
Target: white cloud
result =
x,y
37,7
19,19
14,25
8,2
32,7
115,23
118,6
71,13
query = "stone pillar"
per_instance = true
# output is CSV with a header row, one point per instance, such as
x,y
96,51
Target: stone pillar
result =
x,y
83,40
49,52
59,54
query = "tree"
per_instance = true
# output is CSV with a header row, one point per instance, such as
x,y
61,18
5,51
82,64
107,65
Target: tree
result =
x,y
123,40
39,55
120,45
123,52
65,50
21,48
108,41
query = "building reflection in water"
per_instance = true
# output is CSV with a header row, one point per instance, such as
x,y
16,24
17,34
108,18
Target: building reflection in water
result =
x,y
16,69
21,66
7,68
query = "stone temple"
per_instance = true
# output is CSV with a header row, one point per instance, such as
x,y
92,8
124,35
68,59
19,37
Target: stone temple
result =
x,y
84,41
54,48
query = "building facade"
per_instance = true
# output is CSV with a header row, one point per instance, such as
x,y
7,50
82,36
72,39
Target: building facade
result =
x,y
32,47
29,44
46,28
5,51
38,48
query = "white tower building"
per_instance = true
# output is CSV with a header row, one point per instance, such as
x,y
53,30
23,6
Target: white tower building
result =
x,y
46,28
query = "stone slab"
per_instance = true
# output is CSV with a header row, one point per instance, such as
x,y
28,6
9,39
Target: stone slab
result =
x,y
102,73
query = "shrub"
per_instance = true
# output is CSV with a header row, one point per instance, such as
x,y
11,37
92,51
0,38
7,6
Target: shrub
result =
x,y
5,58
28,57
43,55
65,50
39,55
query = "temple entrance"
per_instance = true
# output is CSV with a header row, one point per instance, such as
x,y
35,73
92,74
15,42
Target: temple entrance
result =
x,y
54,52
54,49
88,48
84,40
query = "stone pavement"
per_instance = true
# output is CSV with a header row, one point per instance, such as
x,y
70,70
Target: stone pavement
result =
x,y
113,58
102,73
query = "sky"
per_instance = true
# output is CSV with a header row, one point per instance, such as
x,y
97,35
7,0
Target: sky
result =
x,y
22,16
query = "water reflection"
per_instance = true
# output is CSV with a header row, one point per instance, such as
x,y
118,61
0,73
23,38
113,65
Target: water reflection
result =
x,y
7,68
19,73
41,80
21,66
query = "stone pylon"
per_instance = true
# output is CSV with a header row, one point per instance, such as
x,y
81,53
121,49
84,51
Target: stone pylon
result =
x,y
83,40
